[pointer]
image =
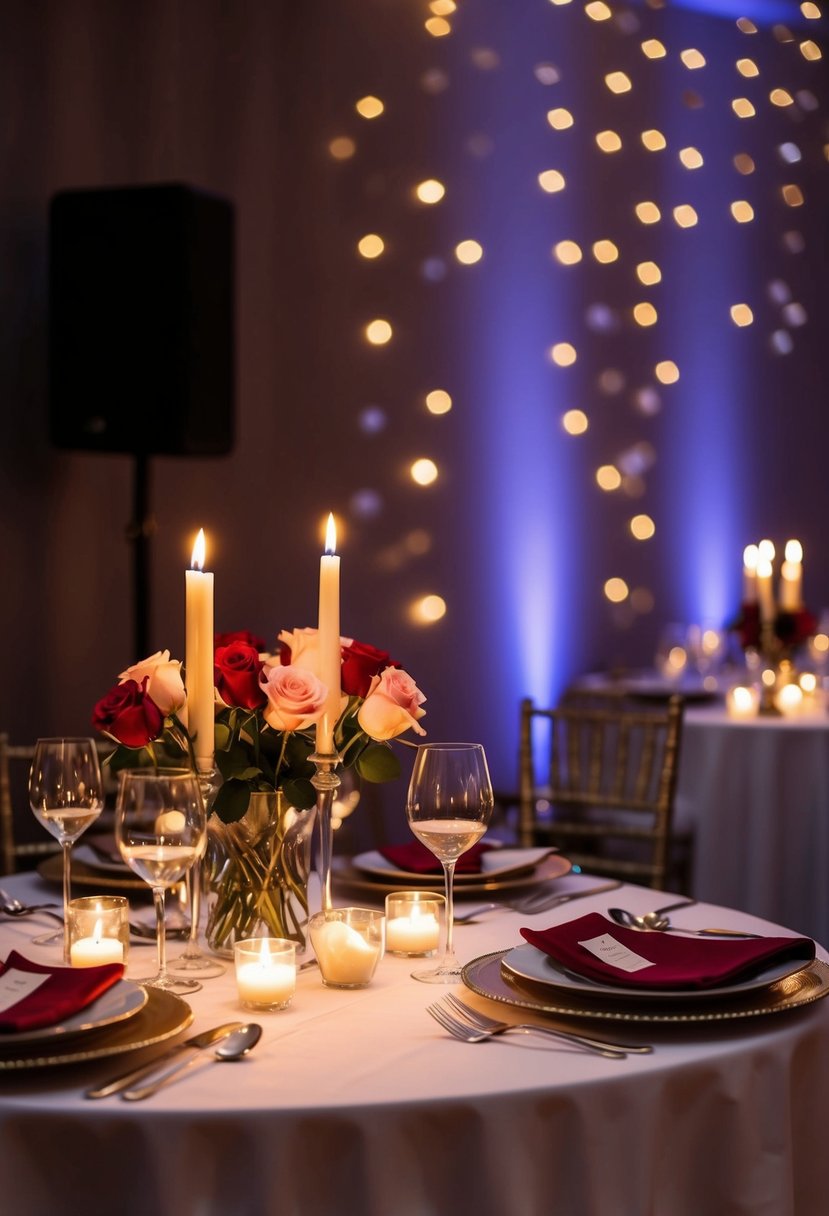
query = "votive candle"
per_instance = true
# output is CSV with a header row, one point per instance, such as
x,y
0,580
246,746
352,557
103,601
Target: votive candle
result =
x,y
265,972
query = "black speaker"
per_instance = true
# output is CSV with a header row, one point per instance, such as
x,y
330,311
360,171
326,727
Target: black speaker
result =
x,y
141,345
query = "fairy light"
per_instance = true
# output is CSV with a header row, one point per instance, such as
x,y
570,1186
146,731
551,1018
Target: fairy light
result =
x,y
378,332
575,422
563,354
369,107
438,401
691,158
741,315
654,140
742,211
616,590
654,49
560,119
567,252
666,372
693,59
371,245
424,472
605,252
608,478
618,82
648,213
551,181
430,191
609,141
642,527
743,108
648,273
469,252
342,148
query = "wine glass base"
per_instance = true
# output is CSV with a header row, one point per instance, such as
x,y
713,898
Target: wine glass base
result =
x,y
169,983
196,966
438,975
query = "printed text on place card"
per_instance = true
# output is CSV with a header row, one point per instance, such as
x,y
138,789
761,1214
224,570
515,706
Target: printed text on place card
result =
x,y
615,954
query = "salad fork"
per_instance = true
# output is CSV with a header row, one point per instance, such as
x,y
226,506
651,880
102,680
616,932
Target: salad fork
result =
x,y
482,1021
469,1034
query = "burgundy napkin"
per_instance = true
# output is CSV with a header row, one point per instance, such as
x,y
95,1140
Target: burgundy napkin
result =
x,y
416,858
676,962
66,991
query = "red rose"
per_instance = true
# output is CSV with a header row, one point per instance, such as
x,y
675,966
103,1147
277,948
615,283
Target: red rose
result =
x,y
240,635
361,663
128,714
236,671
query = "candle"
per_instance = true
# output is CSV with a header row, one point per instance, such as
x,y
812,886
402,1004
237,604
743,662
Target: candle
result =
x,y
330,655
789,700
751,555
765,592
791,578
265,972
348,943
413,922
95,950
418,933
742,702
198,661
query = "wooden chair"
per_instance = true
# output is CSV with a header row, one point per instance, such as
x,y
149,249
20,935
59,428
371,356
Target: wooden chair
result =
x,y
598,779
17,853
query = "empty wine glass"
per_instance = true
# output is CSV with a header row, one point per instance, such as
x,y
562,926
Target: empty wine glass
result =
x,y
66,795
194,963
160,827
449,805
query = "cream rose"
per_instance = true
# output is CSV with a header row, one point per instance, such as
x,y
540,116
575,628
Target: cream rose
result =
x,y
296,698
304,647
164,683
392,705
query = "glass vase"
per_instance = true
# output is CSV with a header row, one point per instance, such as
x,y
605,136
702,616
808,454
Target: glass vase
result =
x,y
256,874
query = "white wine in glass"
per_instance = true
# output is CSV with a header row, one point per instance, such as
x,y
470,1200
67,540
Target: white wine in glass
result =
x,y
449,806
66,794
160,827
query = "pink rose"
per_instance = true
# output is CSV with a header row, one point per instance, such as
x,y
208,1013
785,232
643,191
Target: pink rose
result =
x,y
300,648
296,698
391,706
164,682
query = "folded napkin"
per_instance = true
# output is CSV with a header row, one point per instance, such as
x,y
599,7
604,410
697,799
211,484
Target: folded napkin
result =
x,y
419,860
28,1001
599,949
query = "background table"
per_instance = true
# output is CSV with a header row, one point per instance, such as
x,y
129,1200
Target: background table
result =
x,y
356,1102
755,794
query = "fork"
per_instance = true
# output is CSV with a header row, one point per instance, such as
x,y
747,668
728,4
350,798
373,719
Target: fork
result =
x,y
468,1034
536,901
482,1021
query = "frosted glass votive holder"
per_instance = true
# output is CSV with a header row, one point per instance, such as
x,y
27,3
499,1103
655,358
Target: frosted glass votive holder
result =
x,y
348,943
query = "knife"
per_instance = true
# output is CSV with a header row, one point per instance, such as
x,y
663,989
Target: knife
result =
x,y
197,1043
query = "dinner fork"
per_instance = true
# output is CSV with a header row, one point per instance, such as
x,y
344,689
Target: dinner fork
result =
x,y
468,1034
482,1021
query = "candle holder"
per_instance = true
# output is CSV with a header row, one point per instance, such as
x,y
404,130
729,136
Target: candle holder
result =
x,y
326,781
413,923
348,943
265,972
98,930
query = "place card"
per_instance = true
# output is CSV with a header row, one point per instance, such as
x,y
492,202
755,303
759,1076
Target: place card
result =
x,y
612,952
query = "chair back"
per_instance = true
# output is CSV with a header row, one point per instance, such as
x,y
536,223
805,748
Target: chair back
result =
x,y
598,779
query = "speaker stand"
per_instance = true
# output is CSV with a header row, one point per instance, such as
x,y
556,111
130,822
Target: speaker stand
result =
x,y
139,532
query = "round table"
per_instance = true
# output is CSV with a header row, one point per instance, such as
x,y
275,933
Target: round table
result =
x,y
357,1102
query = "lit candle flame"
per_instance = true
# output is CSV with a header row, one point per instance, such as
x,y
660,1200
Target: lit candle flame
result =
x,y
265,959
766,548
794,551
98,931
331,535
751,556
197,560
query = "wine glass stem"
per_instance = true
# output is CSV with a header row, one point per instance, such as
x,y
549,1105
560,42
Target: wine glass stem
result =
x,y
193,880
66,846
160,932
449,878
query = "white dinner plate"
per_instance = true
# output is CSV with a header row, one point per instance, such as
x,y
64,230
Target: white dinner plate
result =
x,y
530,963
495,863
119,1002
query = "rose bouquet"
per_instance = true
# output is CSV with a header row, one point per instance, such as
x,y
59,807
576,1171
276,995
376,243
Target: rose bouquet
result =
x,y
266,707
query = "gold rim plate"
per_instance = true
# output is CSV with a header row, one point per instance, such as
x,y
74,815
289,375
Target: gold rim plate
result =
x,y
163,1016
123,1000
51,869
488,978
552,867
499,864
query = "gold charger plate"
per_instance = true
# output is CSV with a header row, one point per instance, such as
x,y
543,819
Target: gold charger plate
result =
x,y
163,1016
89,876
554,866
488,978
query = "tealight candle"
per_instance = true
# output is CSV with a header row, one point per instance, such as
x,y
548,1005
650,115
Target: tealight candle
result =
x,y
789,700
265,972
413,922
742,702
348,943
98,930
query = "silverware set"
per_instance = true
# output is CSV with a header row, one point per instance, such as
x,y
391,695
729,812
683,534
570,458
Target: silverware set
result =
x,y
470,1026
543,899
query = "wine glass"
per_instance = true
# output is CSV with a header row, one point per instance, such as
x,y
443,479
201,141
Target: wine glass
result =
x,y
449,805
160,828
66,794
194,962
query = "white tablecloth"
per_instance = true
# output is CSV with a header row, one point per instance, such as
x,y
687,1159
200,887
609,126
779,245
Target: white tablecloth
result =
x,y
756,795
357,1103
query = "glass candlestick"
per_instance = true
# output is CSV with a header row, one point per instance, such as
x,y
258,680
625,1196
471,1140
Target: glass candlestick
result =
x,y
326,781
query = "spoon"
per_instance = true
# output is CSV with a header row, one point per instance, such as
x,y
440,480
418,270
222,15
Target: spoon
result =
x,y
236,1045
656,920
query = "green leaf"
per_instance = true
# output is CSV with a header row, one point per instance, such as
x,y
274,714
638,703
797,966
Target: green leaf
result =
x,y
232,801
300,794
378,763
222,736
